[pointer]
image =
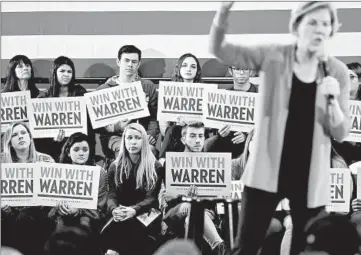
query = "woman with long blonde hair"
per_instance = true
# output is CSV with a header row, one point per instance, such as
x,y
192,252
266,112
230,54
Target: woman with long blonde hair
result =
x,y
19,147
134,182
18,223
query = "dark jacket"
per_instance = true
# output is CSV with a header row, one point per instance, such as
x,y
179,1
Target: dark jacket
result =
x,y
170,142
48,145
217,143
126,193
78,91
95,214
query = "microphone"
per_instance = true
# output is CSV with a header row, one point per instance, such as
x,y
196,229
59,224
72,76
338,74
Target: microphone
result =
x,y
326,73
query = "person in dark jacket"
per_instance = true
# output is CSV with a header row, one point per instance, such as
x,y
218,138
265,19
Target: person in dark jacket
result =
x,y
226,140
128,61
187,69
176,211
20,76
62,84
134,183
79,150
18,222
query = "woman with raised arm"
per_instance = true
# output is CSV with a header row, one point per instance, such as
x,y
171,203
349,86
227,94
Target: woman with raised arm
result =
x,y
303,104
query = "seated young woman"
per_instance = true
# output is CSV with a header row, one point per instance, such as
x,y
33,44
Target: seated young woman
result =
x,y
62,84
79,150
18,223
135,179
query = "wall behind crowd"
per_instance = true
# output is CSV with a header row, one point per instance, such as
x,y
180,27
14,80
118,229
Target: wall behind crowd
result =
x,y
91,33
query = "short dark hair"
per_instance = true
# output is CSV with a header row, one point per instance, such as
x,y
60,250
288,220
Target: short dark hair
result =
x,y
332,227
193,124
356,68
129,49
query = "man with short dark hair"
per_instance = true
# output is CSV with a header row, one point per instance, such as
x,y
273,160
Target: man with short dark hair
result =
x,y
241,80
225,140
128,61
193,137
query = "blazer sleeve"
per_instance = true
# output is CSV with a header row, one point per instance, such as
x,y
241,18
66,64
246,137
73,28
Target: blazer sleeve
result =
x,y
342,130
112,201
241,56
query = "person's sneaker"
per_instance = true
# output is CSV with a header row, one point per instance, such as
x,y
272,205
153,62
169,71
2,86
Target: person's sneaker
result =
x,y
221,249
111,252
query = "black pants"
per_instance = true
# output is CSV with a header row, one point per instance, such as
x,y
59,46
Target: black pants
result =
x,y
256,212
32,230
126,237
8,235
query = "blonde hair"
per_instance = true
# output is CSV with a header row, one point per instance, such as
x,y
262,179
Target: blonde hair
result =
x,y
9,154
146,175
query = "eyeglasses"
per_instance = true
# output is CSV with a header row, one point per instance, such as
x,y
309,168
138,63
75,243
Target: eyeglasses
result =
x,y
239,69
353,77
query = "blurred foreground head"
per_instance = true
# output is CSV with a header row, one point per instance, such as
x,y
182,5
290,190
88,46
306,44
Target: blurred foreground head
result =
x,y
332,235
9,251
71,241
178,247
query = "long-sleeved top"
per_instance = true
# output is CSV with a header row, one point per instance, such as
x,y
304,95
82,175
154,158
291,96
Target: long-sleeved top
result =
x,y
276,63
127,194
48,145
14,212
218,143
100,212
149,123
170,142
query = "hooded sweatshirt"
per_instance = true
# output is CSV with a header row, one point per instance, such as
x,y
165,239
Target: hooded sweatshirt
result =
x,y
149,123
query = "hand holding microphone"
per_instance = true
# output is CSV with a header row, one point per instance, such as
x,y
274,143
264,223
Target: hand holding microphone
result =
x,y
330,87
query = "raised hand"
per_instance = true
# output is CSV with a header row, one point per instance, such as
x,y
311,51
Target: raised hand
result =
x,y
227,5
